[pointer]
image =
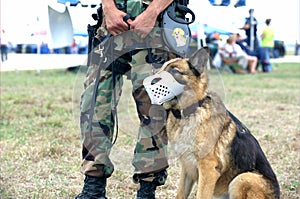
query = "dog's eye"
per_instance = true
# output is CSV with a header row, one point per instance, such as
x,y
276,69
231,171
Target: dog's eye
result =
x,y
178,75
175,71
154,81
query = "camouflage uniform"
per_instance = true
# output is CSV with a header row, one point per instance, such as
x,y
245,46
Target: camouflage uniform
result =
x,y
149,159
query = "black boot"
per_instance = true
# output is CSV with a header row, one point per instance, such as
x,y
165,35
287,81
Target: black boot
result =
x,y
146,190
94,188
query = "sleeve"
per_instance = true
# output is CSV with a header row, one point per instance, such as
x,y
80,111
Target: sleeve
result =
x,y
239,50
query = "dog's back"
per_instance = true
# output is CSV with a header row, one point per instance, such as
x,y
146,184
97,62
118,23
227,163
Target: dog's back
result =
x,y
249,157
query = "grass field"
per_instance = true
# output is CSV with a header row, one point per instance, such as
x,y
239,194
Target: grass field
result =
x,y
40,143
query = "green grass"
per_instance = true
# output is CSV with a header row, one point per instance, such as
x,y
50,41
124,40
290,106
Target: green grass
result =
x,y
40,143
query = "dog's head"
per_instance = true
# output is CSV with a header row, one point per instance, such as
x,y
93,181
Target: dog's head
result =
x,y
180,82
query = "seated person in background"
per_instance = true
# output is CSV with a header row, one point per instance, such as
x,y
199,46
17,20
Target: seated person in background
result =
x,y
231,53
242,43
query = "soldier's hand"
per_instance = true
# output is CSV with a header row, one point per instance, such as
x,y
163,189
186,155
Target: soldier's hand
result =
x,y
143,23
114,21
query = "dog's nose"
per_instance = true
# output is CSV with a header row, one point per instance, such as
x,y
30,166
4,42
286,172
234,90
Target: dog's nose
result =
x,y
155,80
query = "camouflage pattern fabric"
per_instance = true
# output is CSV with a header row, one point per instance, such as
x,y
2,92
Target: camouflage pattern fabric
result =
x,y
149,159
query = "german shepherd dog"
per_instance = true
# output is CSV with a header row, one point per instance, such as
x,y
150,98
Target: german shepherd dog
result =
x,y
215,149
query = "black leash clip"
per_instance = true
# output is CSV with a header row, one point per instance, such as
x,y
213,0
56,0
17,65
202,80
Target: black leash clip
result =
x,y
125,19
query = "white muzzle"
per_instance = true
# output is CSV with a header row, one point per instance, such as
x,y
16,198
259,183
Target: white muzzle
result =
x,y
162,87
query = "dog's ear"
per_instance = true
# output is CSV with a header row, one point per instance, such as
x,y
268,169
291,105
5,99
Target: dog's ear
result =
x,y
200,58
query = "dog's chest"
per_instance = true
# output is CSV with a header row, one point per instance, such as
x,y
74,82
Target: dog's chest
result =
x,y
182,135
192,137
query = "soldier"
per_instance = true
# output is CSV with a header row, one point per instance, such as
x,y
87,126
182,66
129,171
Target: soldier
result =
x,y
149,161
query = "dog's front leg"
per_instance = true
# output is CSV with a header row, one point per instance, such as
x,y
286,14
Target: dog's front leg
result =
x,y
208,176
185,184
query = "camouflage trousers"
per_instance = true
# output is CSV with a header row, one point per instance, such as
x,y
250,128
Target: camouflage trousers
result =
x,y
149,158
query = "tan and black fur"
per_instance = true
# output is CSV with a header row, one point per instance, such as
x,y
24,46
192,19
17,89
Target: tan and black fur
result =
x,y
216,150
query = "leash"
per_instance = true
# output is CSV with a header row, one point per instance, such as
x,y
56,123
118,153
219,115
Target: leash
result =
x,y
97,81
114,106
104,46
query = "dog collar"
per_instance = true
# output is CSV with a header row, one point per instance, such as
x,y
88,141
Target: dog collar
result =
x,y
186,112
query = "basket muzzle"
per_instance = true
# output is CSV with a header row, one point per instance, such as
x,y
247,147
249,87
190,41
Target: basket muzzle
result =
x,y
162,87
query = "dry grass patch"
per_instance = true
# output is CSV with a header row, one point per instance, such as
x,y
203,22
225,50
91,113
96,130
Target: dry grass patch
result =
x,y
40,144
